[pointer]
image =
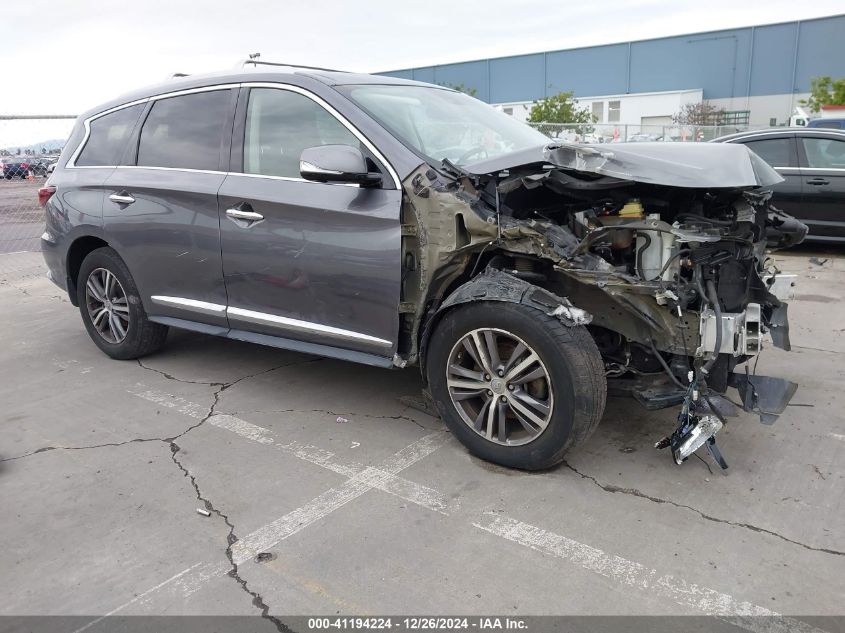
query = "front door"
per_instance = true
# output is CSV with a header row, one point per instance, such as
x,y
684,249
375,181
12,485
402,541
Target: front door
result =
x,y
307,261
161,213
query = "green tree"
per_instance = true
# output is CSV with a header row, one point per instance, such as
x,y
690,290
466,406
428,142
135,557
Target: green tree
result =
x,y
825,91
559,108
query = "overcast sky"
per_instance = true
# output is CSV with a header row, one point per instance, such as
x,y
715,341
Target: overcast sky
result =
x,y
64,57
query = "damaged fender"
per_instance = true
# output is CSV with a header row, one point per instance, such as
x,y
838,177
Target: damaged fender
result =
x,y
496,285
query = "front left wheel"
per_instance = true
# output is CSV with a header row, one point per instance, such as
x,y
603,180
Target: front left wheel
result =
x,y
111,308
515,385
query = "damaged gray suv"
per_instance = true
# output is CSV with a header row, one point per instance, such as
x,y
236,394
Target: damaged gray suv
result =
x,y
396,223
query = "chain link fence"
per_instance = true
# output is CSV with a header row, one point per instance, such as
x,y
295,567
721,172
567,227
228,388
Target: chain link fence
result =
x,y
620,133
29,146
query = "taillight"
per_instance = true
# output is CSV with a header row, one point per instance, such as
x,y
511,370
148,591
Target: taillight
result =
x,y
44,194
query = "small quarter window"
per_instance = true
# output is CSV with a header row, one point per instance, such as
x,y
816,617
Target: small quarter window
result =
x,y
280,124
108,137
185,132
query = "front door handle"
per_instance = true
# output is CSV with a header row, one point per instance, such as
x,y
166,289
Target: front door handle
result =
x,y
240,214
122,198
818,181
243,216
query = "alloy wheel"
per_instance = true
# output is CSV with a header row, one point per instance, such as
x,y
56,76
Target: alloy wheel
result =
x,y
107,305
499,386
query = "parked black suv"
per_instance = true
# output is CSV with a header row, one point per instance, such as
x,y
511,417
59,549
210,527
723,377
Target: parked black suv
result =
x,y
396,223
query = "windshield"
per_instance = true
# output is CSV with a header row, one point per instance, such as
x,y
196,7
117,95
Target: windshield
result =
x,y
442,124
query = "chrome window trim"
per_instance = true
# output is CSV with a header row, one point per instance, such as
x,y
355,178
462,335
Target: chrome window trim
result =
x,y
292,179
71,164
196,171
203,307
337,115
263,318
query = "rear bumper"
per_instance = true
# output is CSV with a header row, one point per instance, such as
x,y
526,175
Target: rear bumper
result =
x,y
54,259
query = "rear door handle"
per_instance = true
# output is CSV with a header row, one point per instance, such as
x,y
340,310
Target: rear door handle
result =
x,y
818,181
122,198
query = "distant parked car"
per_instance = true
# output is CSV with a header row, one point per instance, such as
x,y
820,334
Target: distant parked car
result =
x,y
16,167
38,166
833,124
812,163
52,165
644,138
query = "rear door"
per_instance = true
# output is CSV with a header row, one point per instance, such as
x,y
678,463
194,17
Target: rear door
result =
x,y
160,210
781,152
823,173
321,262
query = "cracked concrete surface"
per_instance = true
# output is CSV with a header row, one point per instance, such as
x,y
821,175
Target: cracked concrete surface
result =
x,y
103,486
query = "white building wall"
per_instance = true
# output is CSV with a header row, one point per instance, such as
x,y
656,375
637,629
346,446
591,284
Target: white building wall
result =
x,y
765,108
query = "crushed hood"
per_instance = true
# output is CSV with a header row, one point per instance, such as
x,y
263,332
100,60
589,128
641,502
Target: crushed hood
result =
x,y
697,165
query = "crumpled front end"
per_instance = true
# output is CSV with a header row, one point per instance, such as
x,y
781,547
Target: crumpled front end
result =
x,y
662,245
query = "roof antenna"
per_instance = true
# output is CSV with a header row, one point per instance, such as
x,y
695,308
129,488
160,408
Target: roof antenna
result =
x,y
254,56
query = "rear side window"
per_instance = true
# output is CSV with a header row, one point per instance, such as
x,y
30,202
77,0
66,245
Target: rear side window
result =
x,y
778,152
109,134
824,153
280,124
185,132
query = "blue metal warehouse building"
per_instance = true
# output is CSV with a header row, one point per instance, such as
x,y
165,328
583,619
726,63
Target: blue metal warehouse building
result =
x,y
758,72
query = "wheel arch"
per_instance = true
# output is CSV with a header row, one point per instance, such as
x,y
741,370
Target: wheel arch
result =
x,y
496,285
76,254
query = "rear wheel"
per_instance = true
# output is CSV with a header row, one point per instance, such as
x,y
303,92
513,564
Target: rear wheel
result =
x,y
516,386
111,308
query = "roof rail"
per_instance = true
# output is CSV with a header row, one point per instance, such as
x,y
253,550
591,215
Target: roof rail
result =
x,y
256,62
177,75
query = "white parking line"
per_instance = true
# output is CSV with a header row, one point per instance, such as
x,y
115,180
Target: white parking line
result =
x,y
626,572
387,482
384,477
139,598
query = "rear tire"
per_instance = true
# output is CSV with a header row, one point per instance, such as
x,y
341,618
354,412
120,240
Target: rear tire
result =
x,y
111,308
543,404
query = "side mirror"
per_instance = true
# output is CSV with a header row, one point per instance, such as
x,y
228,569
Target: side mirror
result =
x,y
336,163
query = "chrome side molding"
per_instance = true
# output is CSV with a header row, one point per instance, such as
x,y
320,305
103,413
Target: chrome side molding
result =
x,y
295,325
203,307
263,318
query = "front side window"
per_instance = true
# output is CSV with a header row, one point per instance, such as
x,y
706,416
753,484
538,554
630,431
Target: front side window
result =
x,y
185,132
280,124
824,153
108,137
778,152
442,124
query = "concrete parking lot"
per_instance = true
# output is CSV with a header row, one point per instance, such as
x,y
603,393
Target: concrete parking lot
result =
x,y
359,505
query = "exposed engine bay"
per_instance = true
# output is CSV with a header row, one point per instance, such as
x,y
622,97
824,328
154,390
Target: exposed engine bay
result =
x,y
659,249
